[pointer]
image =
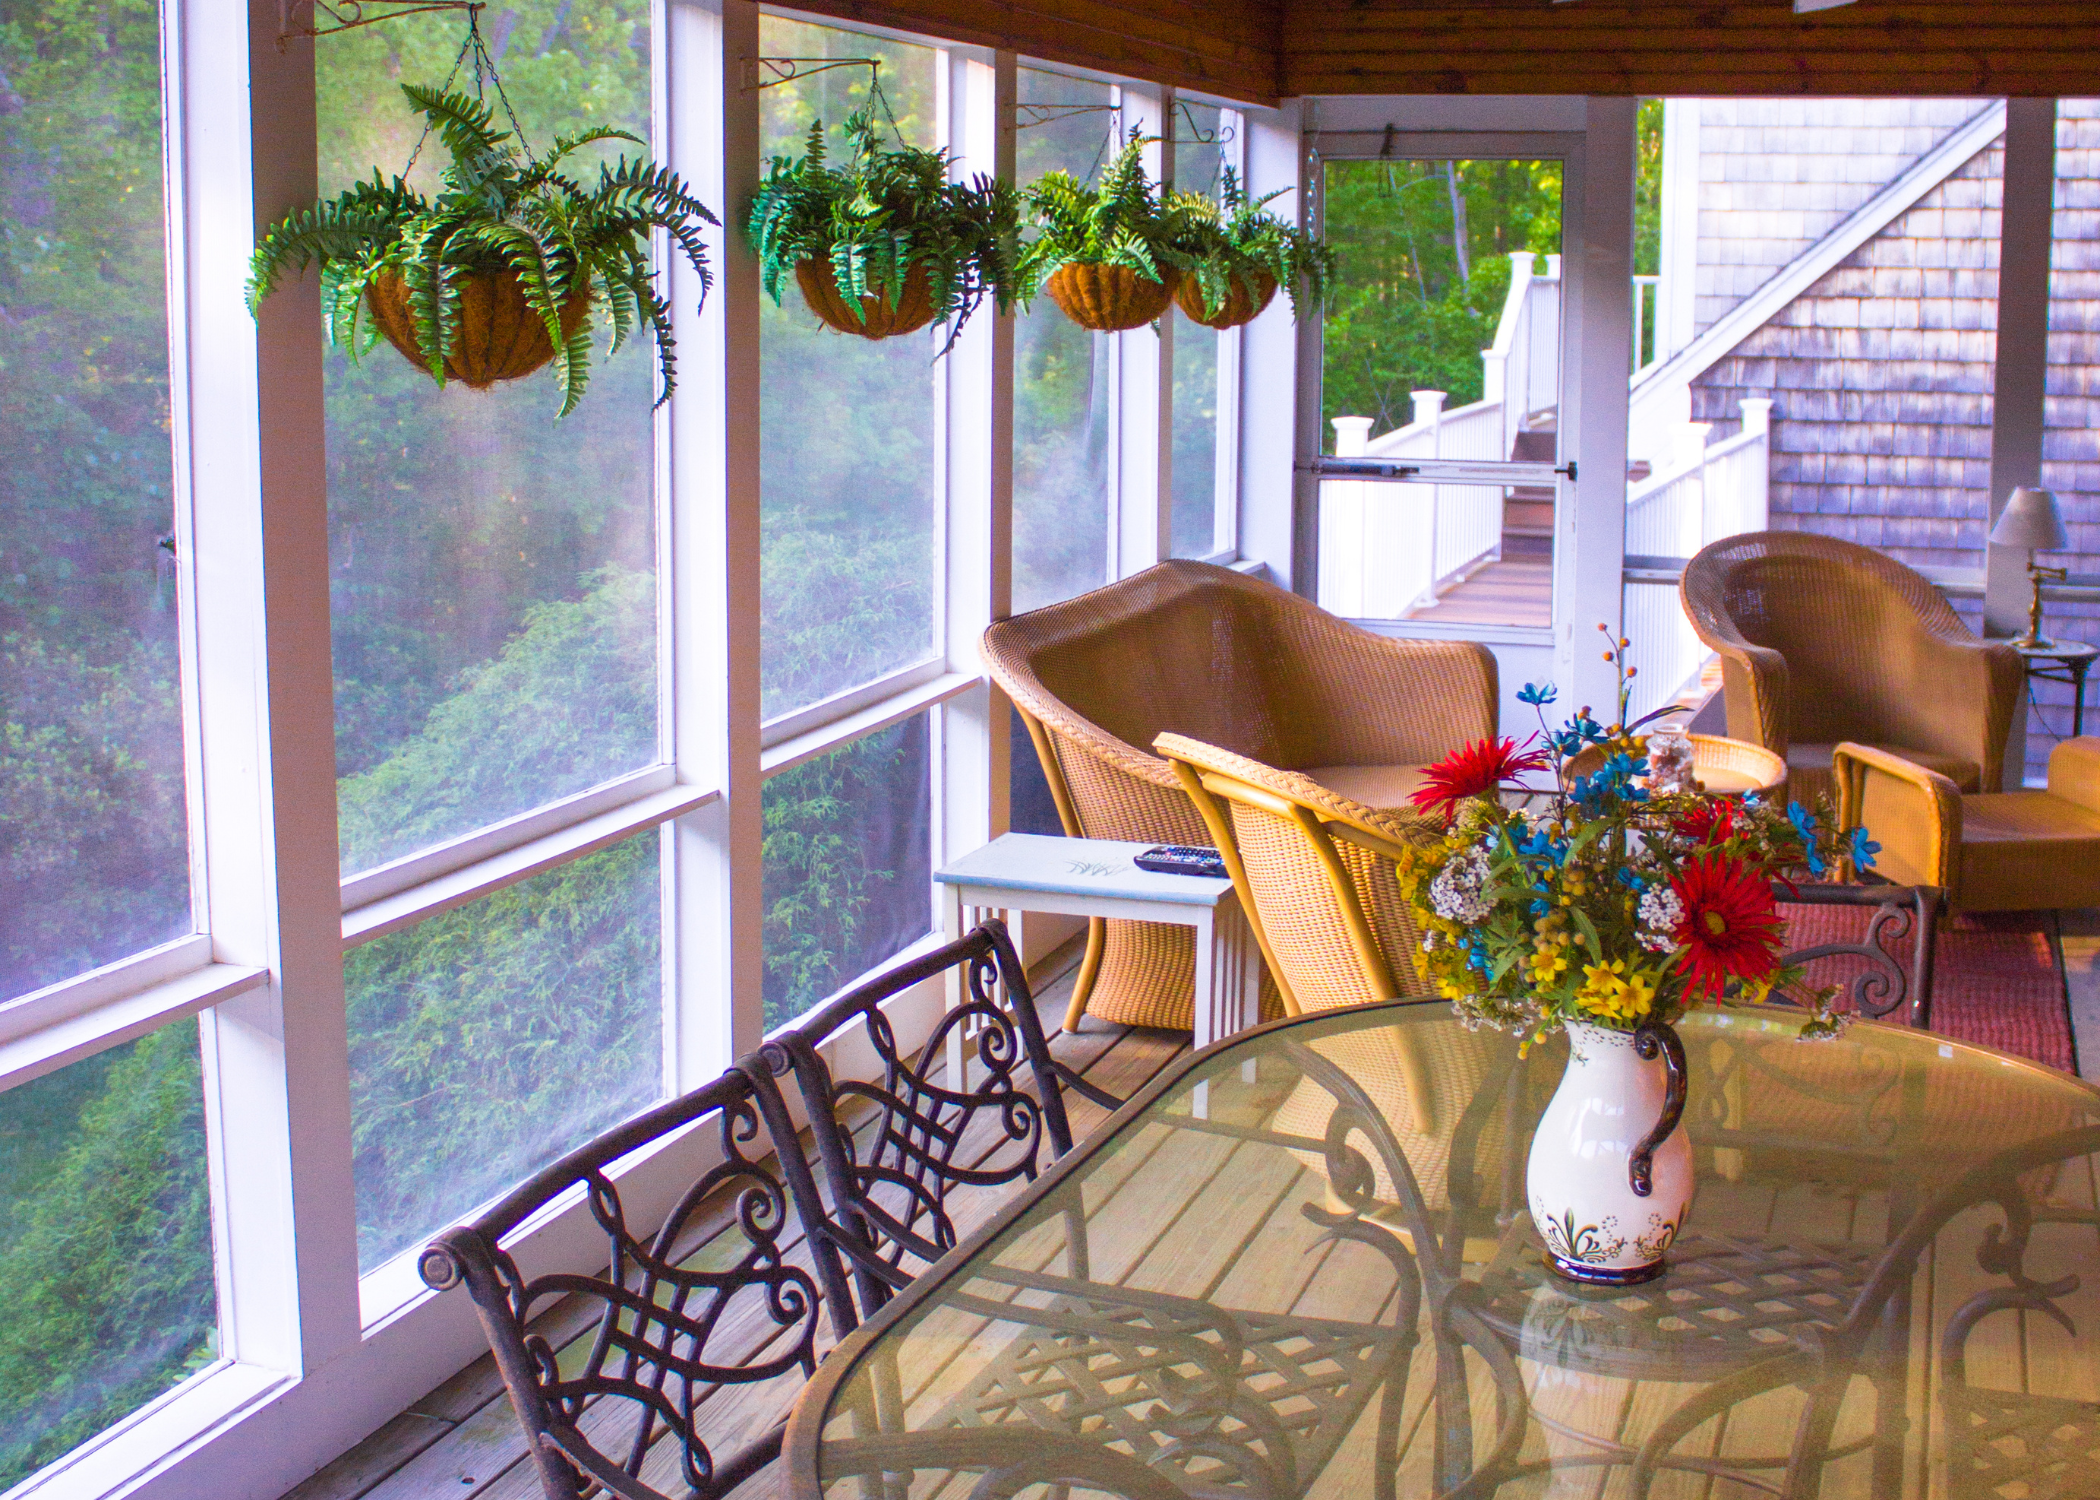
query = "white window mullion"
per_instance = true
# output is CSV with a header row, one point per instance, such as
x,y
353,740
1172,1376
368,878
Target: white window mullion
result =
x,y
1225,491
1144,457
972,789
709,125
1274,505
276,1064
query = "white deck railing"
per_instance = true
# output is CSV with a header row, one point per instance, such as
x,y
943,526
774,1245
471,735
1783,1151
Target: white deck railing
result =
x,y
1386,549
1718,492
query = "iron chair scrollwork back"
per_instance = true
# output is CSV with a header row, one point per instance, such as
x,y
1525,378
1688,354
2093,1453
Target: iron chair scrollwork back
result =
x,y
1878,984
893,1148
706,1301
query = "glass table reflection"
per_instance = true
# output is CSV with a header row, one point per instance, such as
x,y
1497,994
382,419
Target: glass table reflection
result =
x,y
1300,1265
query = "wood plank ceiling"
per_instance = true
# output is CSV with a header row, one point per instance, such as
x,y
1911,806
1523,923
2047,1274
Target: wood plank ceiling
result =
x,y
1684,47
1261,50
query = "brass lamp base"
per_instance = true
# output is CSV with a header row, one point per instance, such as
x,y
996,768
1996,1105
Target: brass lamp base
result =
x,y
2033,639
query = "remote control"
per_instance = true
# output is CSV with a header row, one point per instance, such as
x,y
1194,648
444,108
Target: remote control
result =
x,y
1182,859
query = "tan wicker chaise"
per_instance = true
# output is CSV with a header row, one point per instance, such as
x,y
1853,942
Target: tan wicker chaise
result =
x,y
1823,640
1203,651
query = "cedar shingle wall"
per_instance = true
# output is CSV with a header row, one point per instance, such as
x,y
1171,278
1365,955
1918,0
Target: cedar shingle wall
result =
x,y
1776,175
2071,436
1880,379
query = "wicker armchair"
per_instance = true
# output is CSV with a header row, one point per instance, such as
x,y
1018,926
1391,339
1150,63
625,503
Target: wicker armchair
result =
x,y
1204,651
1314,872
1990,851
1822,640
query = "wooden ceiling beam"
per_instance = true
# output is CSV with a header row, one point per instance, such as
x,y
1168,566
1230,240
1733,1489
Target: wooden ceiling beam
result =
x,y
1226,48
1691,47
1257,51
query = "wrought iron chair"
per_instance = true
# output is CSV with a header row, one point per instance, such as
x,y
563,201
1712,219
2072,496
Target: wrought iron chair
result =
x,y
894,1148
704,1302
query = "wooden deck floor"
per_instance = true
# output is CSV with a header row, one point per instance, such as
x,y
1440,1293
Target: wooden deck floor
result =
x,y
461,1441
1515,591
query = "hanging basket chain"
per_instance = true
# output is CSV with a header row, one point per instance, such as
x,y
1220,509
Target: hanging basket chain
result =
x,y
484,69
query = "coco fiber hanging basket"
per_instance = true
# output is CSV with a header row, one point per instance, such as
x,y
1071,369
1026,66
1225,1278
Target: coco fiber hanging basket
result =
x,y
1110,299
499,337
875,318
1241,305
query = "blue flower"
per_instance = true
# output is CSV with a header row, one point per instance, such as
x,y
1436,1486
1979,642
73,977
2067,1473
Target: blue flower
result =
x,y
1539,844
1538,694
1863,849
1751,801
1804,822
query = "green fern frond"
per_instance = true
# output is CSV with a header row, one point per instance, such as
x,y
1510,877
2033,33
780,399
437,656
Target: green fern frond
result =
x,y
502,208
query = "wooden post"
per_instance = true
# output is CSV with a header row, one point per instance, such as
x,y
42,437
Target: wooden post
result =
x,y
2021,374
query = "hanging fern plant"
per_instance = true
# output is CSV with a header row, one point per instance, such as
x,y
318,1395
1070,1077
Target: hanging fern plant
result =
x,y
888,243
1237,254
504,271
1107,252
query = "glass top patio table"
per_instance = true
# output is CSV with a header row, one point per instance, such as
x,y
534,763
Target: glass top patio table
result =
x,y
1300,1265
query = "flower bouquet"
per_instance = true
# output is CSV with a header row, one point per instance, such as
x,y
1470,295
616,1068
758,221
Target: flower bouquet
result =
x,y
1613,903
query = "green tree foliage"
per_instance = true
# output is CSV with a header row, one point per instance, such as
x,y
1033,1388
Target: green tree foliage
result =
x,y
558,701
1424,249
105,1244
90,724
487,1041
846,864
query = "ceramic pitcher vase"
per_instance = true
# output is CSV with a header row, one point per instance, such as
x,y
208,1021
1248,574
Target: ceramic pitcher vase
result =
x,y
1610,1173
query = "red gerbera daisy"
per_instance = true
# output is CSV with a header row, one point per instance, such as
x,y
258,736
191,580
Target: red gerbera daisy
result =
x,y
1709,822
1480,766
1730,928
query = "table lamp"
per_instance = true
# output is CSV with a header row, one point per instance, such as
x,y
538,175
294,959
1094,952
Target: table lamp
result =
x,y
2031,520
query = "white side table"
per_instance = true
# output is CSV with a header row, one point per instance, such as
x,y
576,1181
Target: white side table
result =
x,y
1095,878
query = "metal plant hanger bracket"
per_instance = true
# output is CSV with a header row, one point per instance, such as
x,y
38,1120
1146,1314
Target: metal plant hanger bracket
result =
x,y
327,19
791,69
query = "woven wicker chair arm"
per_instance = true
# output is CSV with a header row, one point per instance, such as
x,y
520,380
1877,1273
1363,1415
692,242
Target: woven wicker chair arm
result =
x,y
1913,813
1758,690
2074,772
1383,830
1972,688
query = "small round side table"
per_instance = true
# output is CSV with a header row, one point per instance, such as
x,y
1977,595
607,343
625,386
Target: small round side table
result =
x,y
2075,658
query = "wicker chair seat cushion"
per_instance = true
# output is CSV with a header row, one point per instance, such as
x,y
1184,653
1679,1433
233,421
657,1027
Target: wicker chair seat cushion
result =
x,y
2028,851
1808,768
1385,788
1991,851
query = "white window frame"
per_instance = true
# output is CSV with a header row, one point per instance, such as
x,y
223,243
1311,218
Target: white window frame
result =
x,y
328,1354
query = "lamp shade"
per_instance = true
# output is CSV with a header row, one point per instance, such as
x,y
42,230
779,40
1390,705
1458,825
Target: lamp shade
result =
x,y
2030,519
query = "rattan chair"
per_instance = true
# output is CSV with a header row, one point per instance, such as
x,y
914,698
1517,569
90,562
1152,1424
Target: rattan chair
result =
x,y
1823,640
1989,851
1203,651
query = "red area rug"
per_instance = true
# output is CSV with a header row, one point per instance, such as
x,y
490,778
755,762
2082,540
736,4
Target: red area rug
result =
x,y
1994,979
